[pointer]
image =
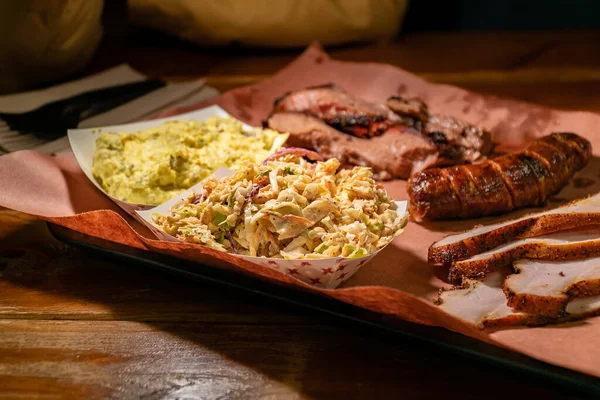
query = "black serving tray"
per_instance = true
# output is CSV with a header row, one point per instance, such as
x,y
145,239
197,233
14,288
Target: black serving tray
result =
x,y
573,382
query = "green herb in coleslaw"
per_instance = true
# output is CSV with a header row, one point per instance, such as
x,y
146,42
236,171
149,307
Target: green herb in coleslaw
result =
x,y
289,208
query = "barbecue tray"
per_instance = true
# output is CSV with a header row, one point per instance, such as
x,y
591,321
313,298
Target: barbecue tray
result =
x,y
339,313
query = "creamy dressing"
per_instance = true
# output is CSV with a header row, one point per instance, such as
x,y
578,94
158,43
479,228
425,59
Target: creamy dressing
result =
x,y
156,164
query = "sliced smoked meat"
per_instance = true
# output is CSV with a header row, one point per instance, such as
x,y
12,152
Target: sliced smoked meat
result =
x,y
397,154
483,303
414,139
411,108
569,245
546,287
339,109
583,212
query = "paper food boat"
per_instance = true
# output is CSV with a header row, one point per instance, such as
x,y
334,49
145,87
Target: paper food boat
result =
x,y
83,144
326,273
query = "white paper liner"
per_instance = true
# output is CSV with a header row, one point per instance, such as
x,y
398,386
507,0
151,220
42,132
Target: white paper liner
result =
x,y
326,273
83,144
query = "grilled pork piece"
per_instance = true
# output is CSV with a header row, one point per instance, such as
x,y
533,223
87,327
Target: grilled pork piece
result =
x,y
471,141
339,109
398,153
584,212
455,142
484,304
570,245
412,110
529,178
583,307
546,287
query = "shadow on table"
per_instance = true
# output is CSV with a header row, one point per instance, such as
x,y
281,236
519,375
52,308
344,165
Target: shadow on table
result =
x,y
274,349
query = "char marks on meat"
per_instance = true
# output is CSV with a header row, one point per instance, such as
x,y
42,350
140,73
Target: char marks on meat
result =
x,y
529,178
580,213
442,197
570,245
397,139
450,134
520,179
490,184
540,269
400,152
339,109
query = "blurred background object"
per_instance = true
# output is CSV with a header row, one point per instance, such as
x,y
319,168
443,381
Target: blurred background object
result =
x,y
272,23
505,15
46,40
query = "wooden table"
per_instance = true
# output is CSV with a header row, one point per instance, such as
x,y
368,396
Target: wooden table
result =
x,y
73,325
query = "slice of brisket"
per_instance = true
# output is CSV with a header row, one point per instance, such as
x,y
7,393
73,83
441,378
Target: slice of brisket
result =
x,y
339,109
399,153
472,142
397,139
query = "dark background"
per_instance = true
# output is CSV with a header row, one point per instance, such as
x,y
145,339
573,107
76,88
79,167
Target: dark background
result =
x,y
490,15
465,15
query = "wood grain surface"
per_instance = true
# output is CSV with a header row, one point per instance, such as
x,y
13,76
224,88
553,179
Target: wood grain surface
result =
x,y
74,325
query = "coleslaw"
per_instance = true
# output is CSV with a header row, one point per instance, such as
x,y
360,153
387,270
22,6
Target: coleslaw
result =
x,y
290,208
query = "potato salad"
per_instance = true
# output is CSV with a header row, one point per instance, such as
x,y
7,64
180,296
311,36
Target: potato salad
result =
x,y
154,165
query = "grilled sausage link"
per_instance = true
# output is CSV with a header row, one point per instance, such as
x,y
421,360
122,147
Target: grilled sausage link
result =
x,y
501,184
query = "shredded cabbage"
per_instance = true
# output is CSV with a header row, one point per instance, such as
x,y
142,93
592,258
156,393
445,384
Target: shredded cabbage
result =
x,y
289,208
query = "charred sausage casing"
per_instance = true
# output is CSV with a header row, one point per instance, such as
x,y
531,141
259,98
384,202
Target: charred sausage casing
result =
x,y
501,184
